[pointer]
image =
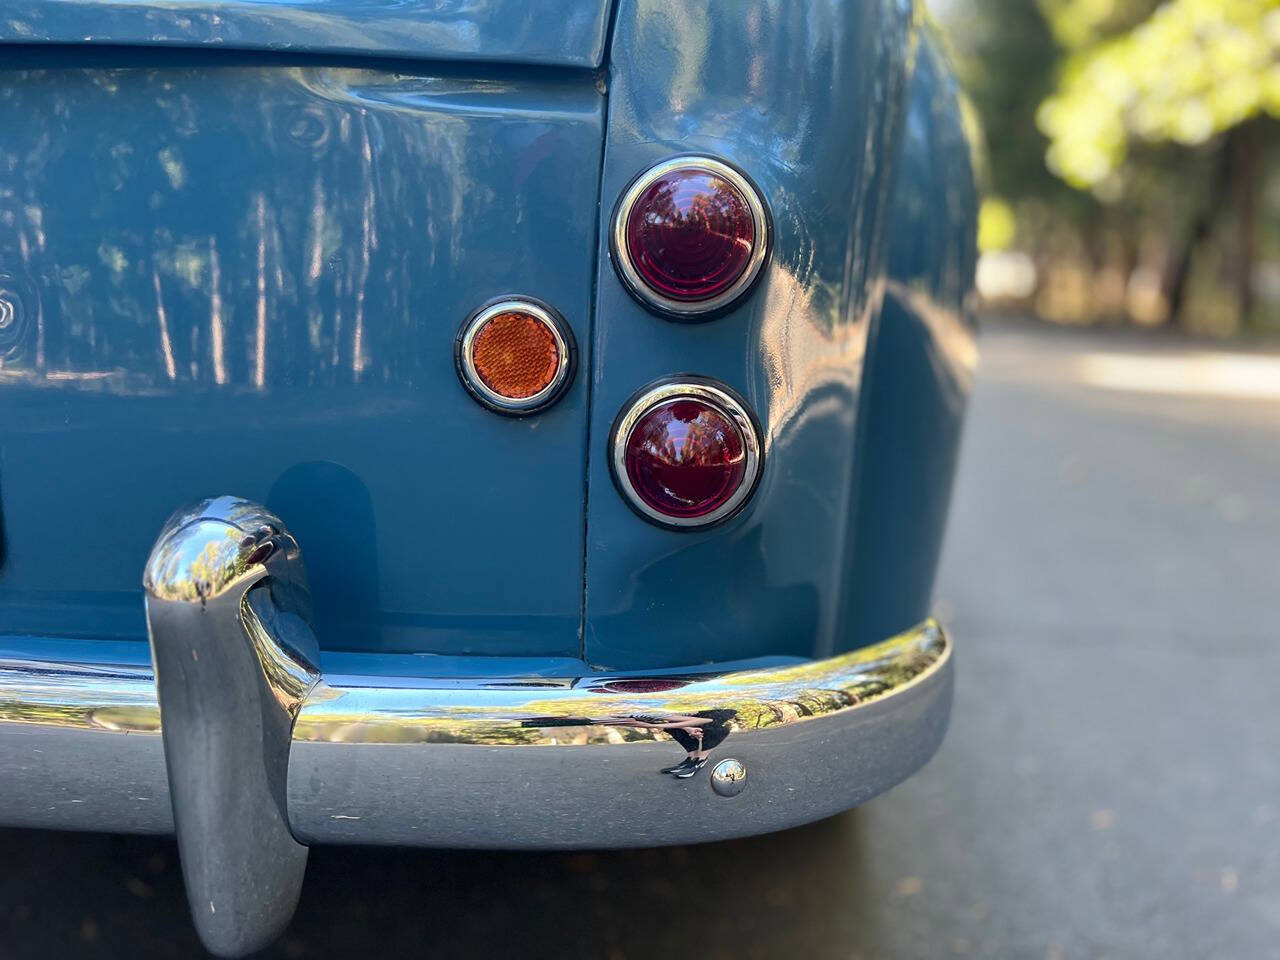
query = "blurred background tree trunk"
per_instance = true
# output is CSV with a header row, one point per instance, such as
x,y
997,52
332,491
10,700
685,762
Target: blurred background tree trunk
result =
x,y
1178,275
1246,148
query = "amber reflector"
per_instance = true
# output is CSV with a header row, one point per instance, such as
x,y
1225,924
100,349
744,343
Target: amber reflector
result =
x,y
515,355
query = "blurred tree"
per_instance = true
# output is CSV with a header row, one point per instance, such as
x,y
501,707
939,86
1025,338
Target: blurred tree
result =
x,y
1008,55
1007,58
1196,73
1078,23
1125,150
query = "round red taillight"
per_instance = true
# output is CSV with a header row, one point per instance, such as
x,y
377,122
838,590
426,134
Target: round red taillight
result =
x,y
686,454
690,236
685,458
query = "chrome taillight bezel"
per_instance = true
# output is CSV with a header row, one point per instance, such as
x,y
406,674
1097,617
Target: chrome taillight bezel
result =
x,y
690,310
729,403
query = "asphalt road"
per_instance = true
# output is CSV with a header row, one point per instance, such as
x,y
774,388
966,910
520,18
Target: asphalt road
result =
x,y
1110,785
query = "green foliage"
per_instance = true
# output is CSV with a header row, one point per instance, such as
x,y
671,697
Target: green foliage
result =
x,y
1128,146
1193,69
1080,23
997,225
1006,56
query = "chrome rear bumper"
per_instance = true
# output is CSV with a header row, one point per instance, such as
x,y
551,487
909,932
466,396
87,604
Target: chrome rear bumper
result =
x,y
465,764
261,753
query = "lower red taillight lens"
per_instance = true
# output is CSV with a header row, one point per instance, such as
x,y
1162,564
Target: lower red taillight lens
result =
x,y
686,454
685,457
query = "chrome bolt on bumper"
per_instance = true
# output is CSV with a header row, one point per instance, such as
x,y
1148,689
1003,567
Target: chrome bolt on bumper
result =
x,y
729,778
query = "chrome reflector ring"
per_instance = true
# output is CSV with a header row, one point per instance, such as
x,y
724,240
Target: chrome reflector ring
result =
x,y
566,356
690,309
716,395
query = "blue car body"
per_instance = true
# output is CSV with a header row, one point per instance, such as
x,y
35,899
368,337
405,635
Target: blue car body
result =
x,y
237,240
207,248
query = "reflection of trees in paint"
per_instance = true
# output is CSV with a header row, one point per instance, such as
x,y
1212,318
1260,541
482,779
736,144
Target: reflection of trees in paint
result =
x,y
696,733
166,226
768,698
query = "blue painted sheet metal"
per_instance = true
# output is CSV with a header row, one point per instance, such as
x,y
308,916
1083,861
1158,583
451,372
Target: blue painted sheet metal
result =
x,y
219,275
920,362
248,279
559,32
807,97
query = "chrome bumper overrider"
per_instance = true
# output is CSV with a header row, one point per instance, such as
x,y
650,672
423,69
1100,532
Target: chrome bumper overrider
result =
x,y
267,754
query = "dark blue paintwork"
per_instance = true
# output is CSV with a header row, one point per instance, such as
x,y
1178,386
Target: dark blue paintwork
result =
x,y
162,213
562,32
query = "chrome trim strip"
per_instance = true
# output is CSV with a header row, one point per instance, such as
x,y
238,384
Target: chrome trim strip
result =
x,y
682,309
489,763
471,378
703,389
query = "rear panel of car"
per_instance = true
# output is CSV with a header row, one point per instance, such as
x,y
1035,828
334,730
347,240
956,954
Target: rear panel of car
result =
x,y
228,270
238,240
568,33
239,243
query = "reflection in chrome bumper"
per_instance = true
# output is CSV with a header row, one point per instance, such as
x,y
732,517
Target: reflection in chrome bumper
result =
x,y
517,763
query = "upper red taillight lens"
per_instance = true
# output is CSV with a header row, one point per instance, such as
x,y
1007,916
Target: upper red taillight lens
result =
x,y
690,236
686,454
